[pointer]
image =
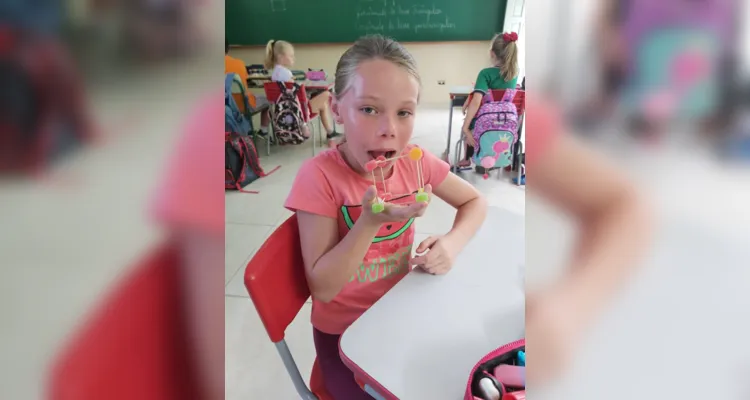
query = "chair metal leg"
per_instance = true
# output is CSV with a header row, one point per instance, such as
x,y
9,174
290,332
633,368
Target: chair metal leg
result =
x,y
519,172
293,371
312,137
447,155
459,153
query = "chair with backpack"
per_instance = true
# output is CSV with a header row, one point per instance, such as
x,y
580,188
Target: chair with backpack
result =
x,y
496,130
241,161
290,111
235,119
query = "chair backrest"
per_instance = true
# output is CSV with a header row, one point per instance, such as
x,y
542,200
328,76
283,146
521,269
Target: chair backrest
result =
x,y
519,100
134,346
273,92
240,94
275,279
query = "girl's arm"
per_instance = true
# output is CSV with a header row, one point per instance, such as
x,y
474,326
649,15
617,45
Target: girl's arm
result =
x,y
330,263
471,209
471,111
613,221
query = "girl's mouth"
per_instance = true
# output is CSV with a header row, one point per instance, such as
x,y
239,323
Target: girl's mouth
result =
x,y
385,153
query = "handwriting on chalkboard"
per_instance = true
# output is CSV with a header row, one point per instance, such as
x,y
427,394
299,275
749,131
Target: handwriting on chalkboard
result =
x,y
380,16
278,5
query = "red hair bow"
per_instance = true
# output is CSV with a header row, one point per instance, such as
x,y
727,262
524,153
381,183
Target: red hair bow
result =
x,y
510,37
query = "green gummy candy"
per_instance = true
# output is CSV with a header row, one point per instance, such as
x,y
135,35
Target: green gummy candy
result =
x,y
378,208
422,197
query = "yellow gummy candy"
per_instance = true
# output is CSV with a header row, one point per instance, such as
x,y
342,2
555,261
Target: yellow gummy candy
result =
x,y
415,154
378,208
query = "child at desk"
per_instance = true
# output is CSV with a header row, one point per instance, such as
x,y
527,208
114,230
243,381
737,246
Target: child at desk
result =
x,y
352,255
280,58
503,75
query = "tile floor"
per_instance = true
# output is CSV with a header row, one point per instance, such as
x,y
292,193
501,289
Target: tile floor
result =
x,y
253,368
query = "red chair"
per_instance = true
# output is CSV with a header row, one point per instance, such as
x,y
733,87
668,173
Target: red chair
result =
x,y
273,91
275,280
134,346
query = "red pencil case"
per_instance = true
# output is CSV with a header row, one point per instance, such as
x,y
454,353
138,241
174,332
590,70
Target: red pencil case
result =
x,y
506,355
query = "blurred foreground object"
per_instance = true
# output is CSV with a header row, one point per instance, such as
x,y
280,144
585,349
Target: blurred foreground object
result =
x,y
159,335
667,62
43,112
135,345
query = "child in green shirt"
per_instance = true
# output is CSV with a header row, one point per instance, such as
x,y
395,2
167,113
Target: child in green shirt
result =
x,y
504,75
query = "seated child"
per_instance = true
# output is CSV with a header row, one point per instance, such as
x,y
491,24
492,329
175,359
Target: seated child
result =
x,y
504,75
237,66
280,59
352,255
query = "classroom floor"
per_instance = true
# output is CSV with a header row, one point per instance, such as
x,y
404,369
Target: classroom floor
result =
x,y
253,367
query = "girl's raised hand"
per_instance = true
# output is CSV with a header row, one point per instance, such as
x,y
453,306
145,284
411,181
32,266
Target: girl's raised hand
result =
x,y
392,212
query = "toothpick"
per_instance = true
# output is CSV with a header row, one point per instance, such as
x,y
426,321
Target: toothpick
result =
x,y
420,180
382,174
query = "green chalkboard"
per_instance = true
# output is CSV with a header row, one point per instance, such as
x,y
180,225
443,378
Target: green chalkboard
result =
x,y
254,22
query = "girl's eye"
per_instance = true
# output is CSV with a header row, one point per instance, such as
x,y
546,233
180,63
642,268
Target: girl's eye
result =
x,y
405,113
368,110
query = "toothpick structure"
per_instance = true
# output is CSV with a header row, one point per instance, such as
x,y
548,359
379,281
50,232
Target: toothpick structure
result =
x,y
415,154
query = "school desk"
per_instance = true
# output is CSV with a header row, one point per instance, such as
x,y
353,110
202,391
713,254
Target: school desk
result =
x,y
317,85
422,338
458,95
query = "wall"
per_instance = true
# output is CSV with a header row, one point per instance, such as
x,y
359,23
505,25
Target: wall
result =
x,y
456,63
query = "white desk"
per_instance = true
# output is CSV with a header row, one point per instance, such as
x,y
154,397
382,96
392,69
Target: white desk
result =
x,y
422,338
458,95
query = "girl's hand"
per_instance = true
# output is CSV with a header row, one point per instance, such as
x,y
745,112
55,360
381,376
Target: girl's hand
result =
x,y
439,257
392,212
469,138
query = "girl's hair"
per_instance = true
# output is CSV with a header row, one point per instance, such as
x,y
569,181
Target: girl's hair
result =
x,y
273,49
372,47
506,54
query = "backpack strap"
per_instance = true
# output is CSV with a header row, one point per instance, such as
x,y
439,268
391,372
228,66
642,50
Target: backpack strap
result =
x,y
228,80
293,90
255,167
241,148
509,95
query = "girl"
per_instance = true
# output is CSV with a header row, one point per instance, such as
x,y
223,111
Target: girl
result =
x,y
504,75
280,58
353,256
613,232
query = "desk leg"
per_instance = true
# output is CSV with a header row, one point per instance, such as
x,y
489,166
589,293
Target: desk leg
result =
x,y
446,156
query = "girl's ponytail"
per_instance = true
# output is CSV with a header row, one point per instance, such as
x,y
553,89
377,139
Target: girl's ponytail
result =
x,y
270,60
505,49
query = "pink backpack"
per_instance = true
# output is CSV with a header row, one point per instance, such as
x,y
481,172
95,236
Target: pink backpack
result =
x,y
510,358
496,131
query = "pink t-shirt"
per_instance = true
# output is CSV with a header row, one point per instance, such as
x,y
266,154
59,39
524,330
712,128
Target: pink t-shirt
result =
x,y
327,186
191,193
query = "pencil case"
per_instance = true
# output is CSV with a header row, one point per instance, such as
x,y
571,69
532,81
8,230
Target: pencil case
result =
x,y
318,75
485,383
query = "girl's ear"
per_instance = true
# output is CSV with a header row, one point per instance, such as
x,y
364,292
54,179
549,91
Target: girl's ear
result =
x,y
336,111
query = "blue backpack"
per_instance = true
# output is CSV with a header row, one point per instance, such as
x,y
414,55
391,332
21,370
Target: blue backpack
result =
x,y
234,120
